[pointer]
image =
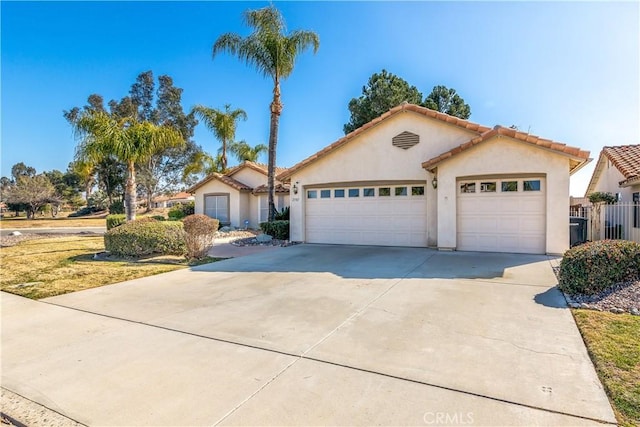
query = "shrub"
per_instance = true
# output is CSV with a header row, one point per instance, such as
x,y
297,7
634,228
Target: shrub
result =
x,y
199,230
277,229
189,208
176,213
592,267
159,218
115,220
116,207
599,196
144,237
283,215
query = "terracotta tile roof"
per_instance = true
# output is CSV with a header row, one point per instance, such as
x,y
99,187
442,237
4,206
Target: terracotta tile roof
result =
x,y
260,167
627,159
395,110
558,147
279,188
181,195
233,183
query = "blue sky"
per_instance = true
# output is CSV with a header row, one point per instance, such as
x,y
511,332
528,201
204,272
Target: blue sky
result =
x,y
564,71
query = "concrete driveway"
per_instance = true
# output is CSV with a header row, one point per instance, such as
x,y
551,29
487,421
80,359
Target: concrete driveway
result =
x,y
312,335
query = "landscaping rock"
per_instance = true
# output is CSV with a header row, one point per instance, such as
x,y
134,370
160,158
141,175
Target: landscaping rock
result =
x,y
15,233
617,310
264,238
634,311
227,229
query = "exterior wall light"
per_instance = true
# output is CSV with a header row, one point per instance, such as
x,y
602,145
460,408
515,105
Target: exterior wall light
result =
x,y
434,182
295,187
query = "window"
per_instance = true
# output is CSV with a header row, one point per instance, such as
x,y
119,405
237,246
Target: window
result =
x,y
401,191
384,192
338,193
325,194
264,208
354,192
312,194
531,185
368,192
487,187
417,191
636,209
509,186
217,206
468,187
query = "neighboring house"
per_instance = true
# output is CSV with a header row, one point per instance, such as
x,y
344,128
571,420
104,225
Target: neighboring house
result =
x,y
617,172
169,201
238,196
417,177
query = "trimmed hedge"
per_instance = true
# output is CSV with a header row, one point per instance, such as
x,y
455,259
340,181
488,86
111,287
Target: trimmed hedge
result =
x,y
593,267
200,230
115,220
277,229
144,237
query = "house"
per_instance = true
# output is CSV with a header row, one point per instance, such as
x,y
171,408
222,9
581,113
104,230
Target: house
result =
x,y
169,201
417,177
617,172
239,197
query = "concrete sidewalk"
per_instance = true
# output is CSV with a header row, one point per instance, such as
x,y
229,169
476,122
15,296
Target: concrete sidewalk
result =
x,y
311,335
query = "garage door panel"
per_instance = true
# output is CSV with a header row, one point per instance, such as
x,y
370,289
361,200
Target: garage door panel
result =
x,y
502,222
384,221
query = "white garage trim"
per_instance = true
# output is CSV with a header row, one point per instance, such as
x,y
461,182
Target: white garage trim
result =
x,y
367,214
502,215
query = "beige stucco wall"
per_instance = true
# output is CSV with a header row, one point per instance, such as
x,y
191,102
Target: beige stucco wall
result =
x,y
502,155
608,183
371,157
235,205
250,177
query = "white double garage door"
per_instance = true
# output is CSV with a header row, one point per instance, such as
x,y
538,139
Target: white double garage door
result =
x,y
493,215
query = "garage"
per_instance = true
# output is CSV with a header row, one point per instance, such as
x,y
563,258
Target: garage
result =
x,y
381,215
502,215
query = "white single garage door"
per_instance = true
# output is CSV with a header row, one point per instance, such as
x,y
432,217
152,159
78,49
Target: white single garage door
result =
x,y
502,215
389,215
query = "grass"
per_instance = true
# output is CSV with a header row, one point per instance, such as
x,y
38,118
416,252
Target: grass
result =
x,y
47,267
613,342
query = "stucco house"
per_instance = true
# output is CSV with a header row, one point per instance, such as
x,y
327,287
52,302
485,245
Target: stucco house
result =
x,y
417,177
239,197
617,172
169,201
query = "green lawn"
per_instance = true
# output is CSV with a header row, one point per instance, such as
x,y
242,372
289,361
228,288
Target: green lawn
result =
x,y
613,341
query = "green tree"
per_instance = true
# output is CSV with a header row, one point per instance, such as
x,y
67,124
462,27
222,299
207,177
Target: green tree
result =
x,y
383,92
32,191
272,52
20,169
203,163
447,101
223,125
128,140
245,152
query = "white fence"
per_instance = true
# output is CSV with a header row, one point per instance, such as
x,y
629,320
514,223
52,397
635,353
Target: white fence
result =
x,y
619,221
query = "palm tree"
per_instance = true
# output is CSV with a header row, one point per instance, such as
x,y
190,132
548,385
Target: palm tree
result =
x,y
128,140
222,124
272,52
245,152
203,163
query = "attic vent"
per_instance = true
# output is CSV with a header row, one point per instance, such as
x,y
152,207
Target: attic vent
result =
x,y
405,140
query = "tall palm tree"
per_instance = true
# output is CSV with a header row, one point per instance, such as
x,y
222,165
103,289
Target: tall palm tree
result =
x,y
203,163
222,124
128,140
272,52
245,152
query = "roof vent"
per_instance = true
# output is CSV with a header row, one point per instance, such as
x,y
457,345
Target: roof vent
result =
x,y
405,140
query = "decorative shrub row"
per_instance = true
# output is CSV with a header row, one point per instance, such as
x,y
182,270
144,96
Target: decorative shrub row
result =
x,y
276,229
593,267
146,236
115,220
200,230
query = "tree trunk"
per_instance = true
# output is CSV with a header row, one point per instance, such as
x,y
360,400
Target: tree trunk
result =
x,y
87,190
224,155
130,193
276,110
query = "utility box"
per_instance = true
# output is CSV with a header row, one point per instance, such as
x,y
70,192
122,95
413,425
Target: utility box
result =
x,y
577,230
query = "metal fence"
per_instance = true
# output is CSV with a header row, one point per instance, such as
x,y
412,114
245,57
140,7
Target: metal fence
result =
x,y
619,221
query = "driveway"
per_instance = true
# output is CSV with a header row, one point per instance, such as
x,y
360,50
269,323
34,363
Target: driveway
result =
x,y
312,335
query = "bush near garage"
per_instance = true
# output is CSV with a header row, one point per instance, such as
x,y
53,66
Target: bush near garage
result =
x,y
200,231
595,266
277,229
114,221
146,236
